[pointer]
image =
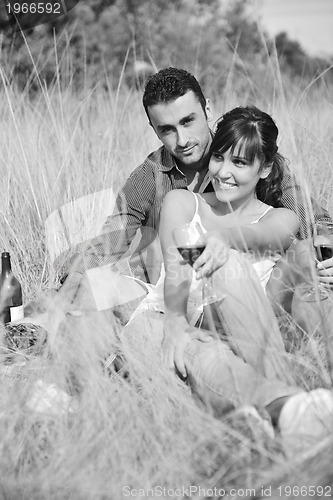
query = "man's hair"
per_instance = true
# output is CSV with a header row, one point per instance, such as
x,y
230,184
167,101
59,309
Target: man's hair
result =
x,y
169,84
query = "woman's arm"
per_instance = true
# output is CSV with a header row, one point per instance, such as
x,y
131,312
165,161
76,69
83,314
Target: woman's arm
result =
x,y
275,233
178,208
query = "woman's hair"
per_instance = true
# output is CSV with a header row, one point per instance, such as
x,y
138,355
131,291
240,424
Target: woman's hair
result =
x,y
255,131
169,84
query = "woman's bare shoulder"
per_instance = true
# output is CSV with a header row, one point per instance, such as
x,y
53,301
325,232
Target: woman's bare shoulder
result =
x,y
284,216
179,203
281,212
177,196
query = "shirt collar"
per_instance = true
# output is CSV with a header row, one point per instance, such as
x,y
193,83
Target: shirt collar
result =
x,y
168,161
205,183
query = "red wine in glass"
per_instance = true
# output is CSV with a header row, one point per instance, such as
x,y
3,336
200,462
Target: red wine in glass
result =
x,y
190,240
191,253
323,244
324,251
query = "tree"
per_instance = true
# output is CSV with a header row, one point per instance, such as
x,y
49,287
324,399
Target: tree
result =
x,y
291,54
100,37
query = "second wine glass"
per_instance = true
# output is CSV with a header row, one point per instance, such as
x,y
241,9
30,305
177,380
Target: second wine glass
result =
x,y
323,246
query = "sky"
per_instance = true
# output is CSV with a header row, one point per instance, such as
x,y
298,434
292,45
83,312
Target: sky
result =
x,y
310,22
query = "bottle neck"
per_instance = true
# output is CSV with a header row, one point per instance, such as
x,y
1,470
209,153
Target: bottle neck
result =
x,y
6,267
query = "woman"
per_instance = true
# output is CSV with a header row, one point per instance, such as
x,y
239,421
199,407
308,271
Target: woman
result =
x,y
246,170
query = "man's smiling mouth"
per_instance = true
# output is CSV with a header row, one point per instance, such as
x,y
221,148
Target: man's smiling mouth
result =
x,y
185,151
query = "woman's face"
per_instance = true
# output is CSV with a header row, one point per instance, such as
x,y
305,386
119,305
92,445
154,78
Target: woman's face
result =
x,y
235,178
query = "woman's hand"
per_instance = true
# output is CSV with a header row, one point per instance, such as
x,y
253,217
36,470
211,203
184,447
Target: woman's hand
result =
x,y
177,334
214,256
325,271
173,348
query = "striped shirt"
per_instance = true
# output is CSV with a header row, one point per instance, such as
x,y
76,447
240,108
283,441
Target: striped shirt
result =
x,y
138,207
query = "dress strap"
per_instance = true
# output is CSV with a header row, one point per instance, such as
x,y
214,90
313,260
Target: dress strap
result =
x,y
262,215
196,216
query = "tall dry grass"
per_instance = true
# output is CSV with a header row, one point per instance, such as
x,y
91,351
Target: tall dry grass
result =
x,y
131,438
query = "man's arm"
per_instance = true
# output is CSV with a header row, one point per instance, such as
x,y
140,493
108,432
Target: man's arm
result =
x,y
132,208
131,212
293,198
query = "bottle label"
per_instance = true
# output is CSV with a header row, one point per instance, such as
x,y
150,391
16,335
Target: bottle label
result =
x,y
16,313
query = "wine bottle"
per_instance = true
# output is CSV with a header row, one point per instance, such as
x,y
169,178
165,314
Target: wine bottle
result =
x,y
11,306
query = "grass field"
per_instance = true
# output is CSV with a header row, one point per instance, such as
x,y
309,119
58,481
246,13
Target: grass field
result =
x,y
133,439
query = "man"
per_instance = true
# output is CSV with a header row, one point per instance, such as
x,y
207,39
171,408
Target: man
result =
x,y
179,114
180,163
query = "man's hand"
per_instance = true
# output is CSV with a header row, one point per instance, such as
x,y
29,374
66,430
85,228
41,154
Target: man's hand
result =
x,y
176,337
213,257
325,271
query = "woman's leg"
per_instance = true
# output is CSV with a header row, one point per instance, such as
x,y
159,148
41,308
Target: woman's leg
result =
x,y
219,378
248,319
224,381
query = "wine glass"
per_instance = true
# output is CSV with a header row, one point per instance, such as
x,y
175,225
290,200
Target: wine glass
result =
x,y
323,245
191,241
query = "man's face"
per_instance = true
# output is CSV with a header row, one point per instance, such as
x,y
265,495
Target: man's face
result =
x,y
182,126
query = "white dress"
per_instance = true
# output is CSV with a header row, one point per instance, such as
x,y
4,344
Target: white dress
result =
x,y
154,300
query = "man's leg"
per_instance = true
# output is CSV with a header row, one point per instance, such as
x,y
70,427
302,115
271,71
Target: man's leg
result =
x,y
103,289
144,333
99,293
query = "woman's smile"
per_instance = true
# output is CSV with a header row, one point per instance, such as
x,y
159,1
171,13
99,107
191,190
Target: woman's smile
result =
x,y
234,176
225,184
